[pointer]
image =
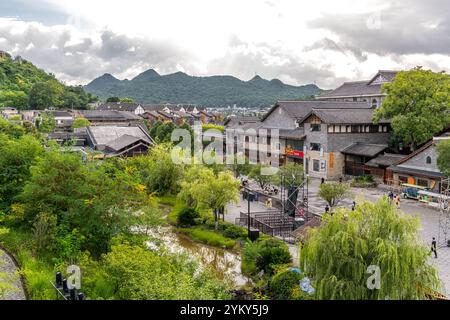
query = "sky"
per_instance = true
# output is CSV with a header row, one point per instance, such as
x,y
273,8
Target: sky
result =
x,y
299,42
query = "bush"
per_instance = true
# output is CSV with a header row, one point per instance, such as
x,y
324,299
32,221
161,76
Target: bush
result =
x,y
264,255
234,232
364,179
271,254
282,285
187,217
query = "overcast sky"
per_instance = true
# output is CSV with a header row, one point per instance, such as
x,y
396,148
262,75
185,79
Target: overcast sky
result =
x,y
298,42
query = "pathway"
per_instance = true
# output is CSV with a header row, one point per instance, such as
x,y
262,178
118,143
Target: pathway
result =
x,y
7,266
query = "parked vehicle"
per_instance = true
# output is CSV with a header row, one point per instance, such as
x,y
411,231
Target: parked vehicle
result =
x,y
411,191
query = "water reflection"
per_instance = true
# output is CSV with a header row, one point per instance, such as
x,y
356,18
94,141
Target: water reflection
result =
x,y
226,264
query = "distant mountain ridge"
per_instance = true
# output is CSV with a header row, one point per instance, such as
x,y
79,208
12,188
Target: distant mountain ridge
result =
x,y
150,87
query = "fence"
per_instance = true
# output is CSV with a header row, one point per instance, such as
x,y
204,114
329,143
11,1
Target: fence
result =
x,y
273,223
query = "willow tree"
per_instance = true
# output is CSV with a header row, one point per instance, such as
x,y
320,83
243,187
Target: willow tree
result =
x,y
205,189
371,253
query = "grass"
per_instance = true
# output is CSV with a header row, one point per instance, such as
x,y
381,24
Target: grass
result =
x,y
37,271
208,237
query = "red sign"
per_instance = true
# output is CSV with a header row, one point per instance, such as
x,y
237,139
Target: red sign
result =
x,y
294,153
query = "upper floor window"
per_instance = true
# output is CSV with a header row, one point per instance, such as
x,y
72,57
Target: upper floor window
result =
x,y
428,160
315,127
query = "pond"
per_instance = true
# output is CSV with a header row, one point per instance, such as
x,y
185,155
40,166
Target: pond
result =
x,y
225,263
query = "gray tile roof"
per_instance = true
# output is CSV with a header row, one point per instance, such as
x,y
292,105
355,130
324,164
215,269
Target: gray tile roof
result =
x,y
124,141
118,106
345,116
109,115
411,171
299,109
385,160
360,88
365,150
104,135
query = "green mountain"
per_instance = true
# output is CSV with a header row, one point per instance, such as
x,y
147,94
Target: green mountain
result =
x,y
23,86
151,88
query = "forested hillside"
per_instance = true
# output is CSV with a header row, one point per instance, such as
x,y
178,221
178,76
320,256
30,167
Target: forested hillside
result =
x,y
151,88
23,86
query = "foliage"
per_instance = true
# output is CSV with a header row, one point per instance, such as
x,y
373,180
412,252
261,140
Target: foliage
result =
x,y
264,255
334,192
337,255
257,173
284,285
10,130
22,86
213,126
136,273
208,237
156,170
162,131
233,231
80,123
293,173
418,102
16,157
443,159
186,217
205,190
91,202
46,123
206,91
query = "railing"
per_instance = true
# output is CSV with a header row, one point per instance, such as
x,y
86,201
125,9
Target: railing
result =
x,y
272,223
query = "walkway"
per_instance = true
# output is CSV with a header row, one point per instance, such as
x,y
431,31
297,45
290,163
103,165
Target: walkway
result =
x,y
7,266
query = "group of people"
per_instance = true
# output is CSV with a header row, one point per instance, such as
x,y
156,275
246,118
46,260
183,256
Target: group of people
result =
x,y
394,198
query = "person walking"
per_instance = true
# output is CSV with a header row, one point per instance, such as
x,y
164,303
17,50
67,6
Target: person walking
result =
x,y
327,209
353,206
397,201
433,247
390,197
322,181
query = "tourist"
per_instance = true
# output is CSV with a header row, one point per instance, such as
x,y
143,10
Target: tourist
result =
x,y
397,201
391,197
433,247
353,206
327,209
322,181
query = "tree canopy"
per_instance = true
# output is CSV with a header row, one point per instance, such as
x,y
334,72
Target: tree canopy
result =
x,y
343,255
418,103
443,160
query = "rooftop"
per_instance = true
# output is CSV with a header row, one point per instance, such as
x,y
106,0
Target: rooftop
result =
x,y
104,135
364,150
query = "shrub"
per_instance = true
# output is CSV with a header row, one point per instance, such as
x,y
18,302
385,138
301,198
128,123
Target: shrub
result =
x,y
234,232
282,285
264,255
272,253
187,217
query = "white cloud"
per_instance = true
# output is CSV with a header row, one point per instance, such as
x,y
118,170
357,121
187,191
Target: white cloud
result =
x,y
296,41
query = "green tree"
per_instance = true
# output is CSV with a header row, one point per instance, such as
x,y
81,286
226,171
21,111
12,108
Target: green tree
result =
x,y
293,173
46,123
16,158
11,130
257,173
137,273
443,159
337,255
334,192
14,99
113,99
80,123
45,95
418,102
207,190
91,202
